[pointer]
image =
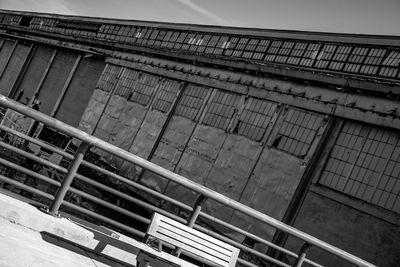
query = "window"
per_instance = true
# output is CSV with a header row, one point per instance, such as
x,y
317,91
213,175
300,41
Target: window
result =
x,y
167,93
255,118
127,83
297,53
273,50
390,66
143,89
355,59
108,79
365,163
339,57
191,101
372,61
221,110
298,132
260,49
25,21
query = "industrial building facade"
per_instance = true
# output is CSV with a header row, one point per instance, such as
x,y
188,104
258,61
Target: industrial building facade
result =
x,y
301,126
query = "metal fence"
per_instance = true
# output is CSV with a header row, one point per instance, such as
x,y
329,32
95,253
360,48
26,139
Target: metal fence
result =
x,y
63,181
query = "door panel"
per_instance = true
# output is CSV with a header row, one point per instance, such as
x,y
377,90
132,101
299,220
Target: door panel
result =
x,y
80,90
13,68
55,80
34,73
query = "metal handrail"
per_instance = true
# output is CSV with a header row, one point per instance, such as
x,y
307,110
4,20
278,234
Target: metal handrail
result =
x,y
202,190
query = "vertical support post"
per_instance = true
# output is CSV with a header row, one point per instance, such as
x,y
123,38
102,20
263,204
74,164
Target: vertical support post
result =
x,y
302,255
66,85
192,219
69,177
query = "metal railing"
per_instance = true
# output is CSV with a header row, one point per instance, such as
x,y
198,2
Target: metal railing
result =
x,y
73,174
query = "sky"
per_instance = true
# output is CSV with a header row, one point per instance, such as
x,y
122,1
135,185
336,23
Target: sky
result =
x,y
343,16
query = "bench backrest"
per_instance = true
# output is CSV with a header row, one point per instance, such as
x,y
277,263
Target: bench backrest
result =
x,y
198,245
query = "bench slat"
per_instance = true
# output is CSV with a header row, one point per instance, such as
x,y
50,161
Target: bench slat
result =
x,y
185,241
198,254
199,245
161,219
193,237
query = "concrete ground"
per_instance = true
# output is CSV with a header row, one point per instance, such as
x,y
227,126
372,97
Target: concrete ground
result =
x,y
23,247
30,238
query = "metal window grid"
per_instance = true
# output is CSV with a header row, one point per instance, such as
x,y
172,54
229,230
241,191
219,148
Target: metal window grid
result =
x,y
126,86
325,56
191,101
365,163
250,48
284,51
340,57
391,64
221,110
355,59
108,78
372,61
143,89
272,51
297,53
255,118
211,43
168,92
298,132
260,49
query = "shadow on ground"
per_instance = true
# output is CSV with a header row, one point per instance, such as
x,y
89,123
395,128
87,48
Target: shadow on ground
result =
x,y
96,253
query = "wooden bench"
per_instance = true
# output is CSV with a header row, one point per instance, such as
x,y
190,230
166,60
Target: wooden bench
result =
x,y
193,243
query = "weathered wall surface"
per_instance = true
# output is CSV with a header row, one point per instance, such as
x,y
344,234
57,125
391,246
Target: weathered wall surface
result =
x,y
216,138
356,232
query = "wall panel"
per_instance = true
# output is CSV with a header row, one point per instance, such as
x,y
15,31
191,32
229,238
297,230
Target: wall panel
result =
x,y
55,80
13,68
80,90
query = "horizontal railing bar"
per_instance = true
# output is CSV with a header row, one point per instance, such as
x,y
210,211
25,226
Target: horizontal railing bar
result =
x,y
138,186
252,236
29,172
110,206
313,263
206,192
125,196
104,219
133,200
241,246
33,157
26,187
244,262
36,141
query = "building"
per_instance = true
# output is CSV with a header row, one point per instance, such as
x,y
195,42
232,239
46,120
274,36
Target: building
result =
x,y
302,126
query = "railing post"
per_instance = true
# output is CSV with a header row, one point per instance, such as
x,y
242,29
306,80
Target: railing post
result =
x,y
302,255
193,217
68,178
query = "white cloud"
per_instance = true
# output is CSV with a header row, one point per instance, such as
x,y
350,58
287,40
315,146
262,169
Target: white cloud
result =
x,y
46,6
53,6
204,12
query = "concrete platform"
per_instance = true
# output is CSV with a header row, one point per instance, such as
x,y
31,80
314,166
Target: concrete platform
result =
x,y
30,237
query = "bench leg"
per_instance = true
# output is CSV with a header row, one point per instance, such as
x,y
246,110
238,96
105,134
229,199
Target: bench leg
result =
x,y
143,264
